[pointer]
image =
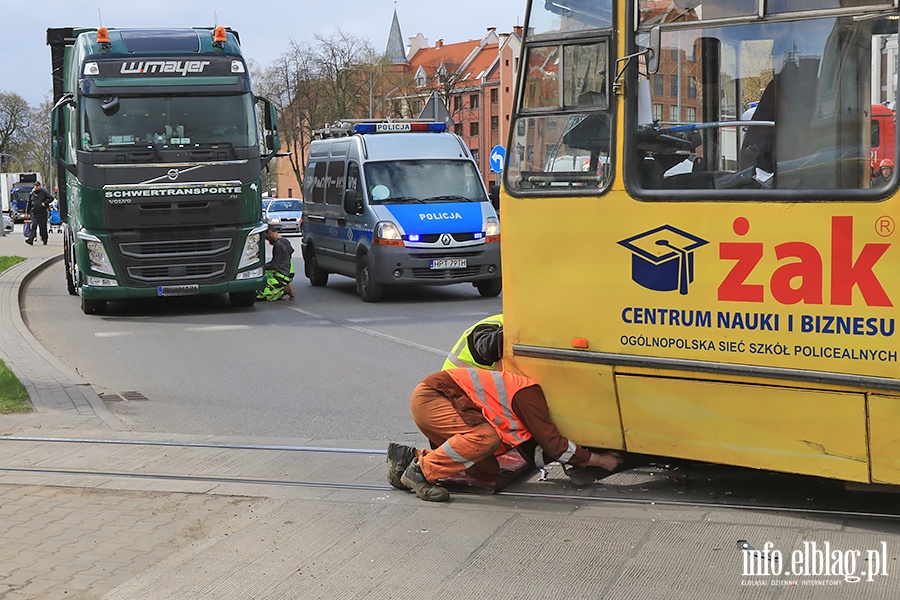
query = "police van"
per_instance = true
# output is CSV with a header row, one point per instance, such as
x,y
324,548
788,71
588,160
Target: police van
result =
x,y
394,203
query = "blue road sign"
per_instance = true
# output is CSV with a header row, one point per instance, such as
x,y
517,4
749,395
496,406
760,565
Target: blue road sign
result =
x,y
498,154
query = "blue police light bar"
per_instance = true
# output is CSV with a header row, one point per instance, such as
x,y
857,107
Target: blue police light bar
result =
x,y
398,127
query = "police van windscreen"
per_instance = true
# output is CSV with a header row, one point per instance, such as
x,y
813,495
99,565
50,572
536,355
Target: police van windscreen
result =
x,y
112,123
432,180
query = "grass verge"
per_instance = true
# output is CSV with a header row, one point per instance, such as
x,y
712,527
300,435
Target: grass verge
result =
x,y
13,396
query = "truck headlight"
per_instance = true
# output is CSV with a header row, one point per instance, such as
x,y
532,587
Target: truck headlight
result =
x,y
97,255
250,255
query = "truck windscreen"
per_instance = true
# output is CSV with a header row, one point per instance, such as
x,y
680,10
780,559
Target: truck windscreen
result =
x,y
113,123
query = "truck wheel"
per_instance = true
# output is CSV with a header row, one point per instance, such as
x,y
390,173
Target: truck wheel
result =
x,y
92,306
242,299
68,261
490,288
366,286
317,277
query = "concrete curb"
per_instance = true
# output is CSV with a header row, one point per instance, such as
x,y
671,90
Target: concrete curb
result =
x,y
51,385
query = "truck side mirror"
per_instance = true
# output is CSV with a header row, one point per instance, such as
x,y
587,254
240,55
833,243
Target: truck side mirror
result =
x,y
352,202
270,128
59,140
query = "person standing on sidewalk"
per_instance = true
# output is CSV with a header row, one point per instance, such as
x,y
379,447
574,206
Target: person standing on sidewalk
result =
x,y
38,210
471,416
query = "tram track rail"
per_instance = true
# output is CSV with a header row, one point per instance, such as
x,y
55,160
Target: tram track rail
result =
x,y
632,499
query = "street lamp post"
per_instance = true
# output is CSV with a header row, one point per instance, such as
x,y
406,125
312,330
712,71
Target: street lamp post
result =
x,y
16,158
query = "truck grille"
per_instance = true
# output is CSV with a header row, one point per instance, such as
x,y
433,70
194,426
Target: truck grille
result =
x,y
169,248
169,273
168,256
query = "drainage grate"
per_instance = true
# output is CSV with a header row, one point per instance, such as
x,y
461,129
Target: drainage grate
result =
x,y
124,396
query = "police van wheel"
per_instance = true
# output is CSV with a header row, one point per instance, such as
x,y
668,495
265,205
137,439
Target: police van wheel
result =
x,y
366,286
490,288
317,277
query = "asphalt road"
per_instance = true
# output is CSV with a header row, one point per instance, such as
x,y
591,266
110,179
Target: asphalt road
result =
x,y
325,366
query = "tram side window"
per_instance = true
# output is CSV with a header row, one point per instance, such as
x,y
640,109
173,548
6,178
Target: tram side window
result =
x,y
561,139
569,16
778,106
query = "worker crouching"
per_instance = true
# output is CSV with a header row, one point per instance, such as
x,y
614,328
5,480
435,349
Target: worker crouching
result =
x,y
279,271
471,416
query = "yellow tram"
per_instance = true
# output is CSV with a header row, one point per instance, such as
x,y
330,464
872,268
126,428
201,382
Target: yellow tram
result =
x,y
699,249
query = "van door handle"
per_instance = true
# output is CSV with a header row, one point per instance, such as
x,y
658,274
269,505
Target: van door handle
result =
x,y
316,218
342,222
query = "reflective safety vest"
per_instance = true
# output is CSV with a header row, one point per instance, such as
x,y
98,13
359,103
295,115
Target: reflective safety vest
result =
x,y
493,392
461,355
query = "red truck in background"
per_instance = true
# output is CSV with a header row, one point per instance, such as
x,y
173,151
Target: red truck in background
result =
x,y
883,135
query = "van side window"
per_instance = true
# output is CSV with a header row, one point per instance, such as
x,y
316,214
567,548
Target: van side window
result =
x,y
318,186
334,193
353,176
308,179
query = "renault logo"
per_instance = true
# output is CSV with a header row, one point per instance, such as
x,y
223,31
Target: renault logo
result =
x,y
172,174
445,239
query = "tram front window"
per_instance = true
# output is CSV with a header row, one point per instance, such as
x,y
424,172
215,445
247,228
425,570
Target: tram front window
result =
x,y
561,141
780,105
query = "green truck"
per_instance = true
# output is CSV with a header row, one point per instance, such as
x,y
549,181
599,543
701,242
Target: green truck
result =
x,y
159,144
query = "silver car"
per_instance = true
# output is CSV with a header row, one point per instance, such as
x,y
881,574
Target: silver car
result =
x,y
7,224
285,213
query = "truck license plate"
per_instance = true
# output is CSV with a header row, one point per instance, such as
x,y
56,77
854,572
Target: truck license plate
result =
x,y
177,290
448,263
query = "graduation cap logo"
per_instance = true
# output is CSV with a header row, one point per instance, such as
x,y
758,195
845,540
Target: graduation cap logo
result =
x,y
662,259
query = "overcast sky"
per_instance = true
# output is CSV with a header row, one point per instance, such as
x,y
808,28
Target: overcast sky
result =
x,y
265,26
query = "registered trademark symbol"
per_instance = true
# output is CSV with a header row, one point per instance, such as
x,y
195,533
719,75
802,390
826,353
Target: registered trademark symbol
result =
x,y
884,226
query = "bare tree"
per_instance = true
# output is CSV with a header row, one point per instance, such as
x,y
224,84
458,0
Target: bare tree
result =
x,y
292,84
36,147
344,62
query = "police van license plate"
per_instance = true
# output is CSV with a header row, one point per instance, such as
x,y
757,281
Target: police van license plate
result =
x,y
177,290
448,263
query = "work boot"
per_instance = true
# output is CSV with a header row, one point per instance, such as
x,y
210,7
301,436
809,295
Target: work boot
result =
x,y
29,242
398,458
414,479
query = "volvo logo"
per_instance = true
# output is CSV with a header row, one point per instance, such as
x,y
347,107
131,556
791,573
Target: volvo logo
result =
x,y
445,239
172,174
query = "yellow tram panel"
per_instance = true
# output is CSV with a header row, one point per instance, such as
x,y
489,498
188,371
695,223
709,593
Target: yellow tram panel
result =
x,y
583,403
884,438
765,427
